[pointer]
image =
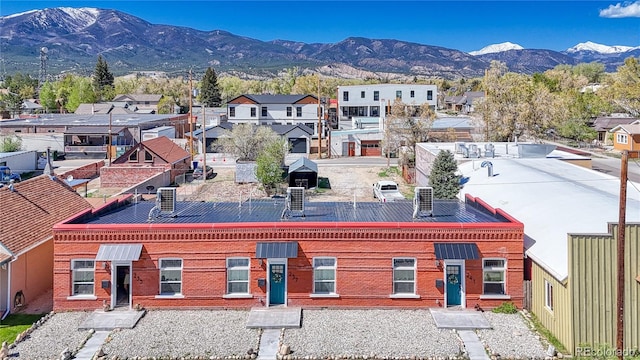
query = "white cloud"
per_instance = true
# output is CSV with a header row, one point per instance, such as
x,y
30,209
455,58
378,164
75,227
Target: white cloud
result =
x,y
622,10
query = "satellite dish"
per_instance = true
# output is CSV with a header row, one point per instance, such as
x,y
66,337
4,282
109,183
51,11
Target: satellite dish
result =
x,y
70,178
44,49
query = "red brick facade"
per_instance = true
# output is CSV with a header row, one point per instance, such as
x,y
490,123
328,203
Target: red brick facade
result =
x,y
364,254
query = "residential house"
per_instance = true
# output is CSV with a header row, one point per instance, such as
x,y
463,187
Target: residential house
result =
x,y
155,157
29,210
376,100
626,136
570,216
289,252
145,103
275,109
463,104
603,124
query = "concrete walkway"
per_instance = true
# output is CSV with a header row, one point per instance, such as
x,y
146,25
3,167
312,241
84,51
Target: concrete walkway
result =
x,y
269,344
474,346
92,345
275,318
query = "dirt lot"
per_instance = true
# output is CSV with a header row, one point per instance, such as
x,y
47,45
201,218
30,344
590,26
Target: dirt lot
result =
x,y
345,182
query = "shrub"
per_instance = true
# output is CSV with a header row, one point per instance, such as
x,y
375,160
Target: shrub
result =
x,y
506,308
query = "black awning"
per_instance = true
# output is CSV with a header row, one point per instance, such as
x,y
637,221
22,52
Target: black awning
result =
x,y
466,251
270,250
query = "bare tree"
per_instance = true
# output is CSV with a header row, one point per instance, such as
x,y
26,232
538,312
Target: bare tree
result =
x,y
406,126
247,141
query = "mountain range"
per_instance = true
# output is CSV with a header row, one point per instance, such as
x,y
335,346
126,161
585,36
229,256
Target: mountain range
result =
x,y
72,38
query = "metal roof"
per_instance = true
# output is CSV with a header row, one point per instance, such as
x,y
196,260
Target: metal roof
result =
x,y
270,210
467,251
129,120
303,165
119,252
270,250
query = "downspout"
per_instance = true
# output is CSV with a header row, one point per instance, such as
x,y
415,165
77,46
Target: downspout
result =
x,y
6,313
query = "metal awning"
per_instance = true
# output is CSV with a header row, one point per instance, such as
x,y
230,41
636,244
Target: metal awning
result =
x,y
119,252
466,251
269,250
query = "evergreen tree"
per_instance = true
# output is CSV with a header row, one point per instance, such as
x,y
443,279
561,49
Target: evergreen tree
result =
x,y
443,178
102,78
209,90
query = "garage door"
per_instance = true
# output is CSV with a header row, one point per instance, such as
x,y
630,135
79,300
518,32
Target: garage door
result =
x,y
298,146
371,148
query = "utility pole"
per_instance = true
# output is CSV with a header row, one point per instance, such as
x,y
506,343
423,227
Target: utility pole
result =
x,y
109,146
190,116
319,122
204,142
620,252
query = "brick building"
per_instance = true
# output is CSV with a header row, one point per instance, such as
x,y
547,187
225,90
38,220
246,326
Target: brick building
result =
x,y
258,253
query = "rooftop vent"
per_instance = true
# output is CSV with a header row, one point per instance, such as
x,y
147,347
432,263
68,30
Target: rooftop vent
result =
x,y
423,202
294,202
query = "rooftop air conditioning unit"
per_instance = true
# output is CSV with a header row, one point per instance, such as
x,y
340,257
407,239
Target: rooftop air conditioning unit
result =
x,y
423,202
295,201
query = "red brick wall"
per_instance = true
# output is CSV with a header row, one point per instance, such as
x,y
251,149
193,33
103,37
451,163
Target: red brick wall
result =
x,y
88,171
123,177
364,262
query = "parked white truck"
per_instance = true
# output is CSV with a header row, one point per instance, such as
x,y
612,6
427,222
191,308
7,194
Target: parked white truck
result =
x,y
387,191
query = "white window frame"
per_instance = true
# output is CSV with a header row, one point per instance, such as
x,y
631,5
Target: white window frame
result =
x,y
253,111
161,268
394,281
264,111
298,111
333,267
622,138
246,268
73,278
232,111
495,269
548,295
289,111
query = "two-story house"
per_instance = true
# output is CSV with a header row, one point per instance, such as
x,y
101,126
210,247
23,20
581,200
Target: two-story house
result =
x,y
275,109
376,100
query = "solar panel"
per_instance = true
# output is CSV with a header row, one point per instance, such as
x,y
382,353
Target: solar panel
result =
x,y
423,201
166,198
296,198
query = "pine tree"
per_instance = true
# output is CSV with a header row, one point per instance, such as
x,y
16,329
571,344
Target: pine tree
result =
x,y
101,76
443,178
209,90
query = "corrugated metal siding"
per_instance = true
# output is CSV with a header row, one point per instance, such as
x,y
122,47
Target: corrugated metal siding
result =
x,y
593,270
558,321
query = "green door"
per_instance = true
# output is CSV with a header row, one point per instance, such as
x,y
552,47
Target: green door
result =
x,y
276,284
453,285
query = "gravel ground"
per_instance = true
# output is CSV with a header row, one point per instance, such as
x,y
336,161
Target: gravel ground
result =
x,y
219,333
511,337
183,333
371,332
48,341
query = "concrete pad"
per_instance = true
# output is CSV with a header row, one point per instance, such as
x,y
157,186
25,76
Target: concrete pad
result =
x,y
109,320
92,345
473,345
459,319
269,344
275,318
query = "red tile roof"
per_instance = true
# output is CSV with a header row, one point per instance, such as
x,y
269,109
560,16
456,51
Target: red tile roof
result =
x,y
32,208
166,149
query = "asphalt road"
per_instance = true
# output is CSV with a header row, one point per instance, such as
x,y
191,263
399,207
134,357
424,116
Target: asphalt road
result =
x,y
612,166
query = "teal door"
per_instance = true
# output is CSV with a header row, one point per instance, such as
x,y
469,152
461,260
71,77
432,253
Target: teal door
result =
x,y
276,284
453,285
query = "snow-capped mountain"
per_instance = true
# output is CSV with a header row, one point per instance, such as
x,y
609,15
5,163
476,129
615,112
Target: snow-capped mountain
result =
x,y
496,48
599,48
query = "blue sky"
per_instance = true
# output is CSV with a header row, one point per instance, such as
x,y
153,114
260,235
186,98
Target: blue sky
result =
x,y
462,25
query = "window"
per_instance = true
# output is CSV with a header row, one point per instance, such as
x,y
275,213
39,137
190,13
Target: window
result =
x,y
493,276
375,111
404,276
429,94
232,111
621,138
399,94
299,111
148,157
345,96
362,94
238,276
548,295
376,96
134,156
170,276
412,94
289,111
253,112
324,275
264,111
82,274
